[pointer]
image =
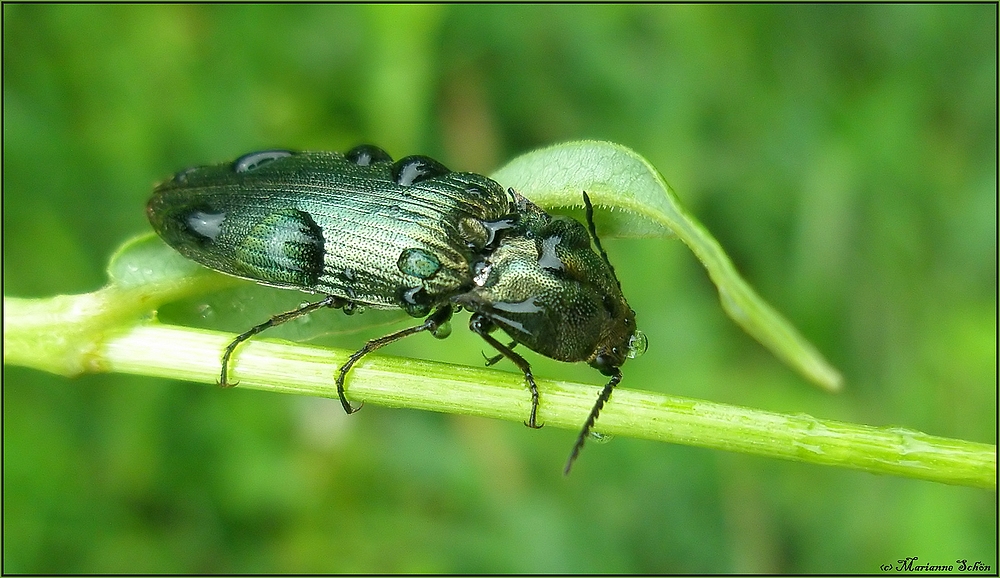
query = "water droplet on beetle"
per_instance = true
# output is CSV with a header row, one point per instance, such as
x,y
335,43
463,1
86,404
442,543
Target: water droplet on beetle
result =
x,y
443,330
366,155
414,169
418,262
547,257
251,161
207,225
181,177
637,344
415,301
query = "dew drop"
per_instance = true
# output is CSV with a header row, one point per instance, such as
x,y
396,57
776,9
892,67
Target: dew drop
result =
x,y
251,161
206,225
365,155
414,169
600,437
443,330
206,311
182,176
415,301
418,262
637,344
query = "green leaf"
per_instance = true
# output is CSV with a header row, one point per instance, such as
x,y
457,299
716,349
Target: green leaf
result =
x,y
146,261
640,203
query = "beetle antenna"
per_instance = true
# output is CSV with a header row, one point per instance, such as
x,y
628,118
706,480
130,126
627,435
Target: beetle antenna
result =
x,y
597,240
598,405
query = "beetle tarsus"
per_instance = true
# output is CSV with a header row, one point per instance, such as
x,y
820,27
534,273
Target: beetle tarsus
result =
x,y
532,417
481,326
223,377
348,408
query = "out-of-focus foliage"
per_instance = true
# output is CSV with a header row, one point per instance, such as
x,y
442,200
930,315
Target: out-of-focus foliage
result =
x,y
845,156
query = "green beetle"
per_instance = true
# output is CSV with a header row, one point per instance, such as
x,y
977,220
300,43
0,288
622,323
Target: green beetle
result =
x,y
364,230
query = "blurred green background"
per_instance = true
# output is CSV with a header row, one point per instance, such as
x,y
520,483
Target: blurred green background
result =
x,y
845,156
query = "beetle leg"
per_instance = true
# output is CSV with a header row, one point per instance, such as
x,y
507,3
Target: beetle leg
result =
x,y
481,326
328,301
433,321
587,425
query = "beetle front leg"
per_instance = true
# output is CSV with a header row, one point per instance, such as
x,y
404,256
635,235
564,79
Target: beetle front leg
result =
x,y
482,326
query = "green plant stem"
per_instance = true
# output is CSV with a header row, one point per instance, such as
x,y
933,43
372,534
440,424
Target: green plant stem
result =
x,y
153,349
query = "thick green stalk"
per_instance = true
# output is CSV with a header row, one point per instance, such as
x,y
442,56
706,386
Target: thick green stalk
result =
x,y
57,335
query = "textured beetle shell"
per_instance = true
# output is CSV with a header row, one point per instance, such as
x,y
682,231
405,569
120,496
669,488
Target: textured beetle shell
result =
x,y
318,221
